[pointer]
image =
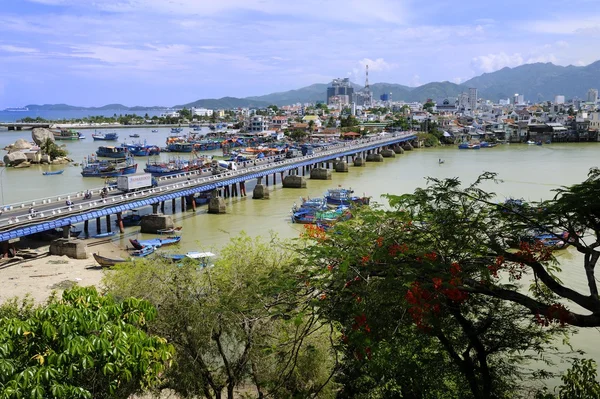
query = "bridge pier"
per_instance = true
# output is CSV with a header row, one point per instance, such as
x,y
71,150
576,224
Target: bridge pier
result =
x,y
152,223
162,208
108,226
341,166
281,178
173,206
260,192
98,226
320,174
294,182
67,231
193,202
243,188
120,221
216,204
86,229
182,204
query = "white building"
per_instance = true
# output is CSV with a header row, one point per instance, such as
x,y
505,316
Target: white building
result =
x,y
473,98
202,112
559,99
258,123
592,96
594,118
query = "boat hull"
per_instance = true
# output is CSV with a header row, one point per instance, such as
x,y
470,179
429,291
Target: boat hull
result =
x,y
107,262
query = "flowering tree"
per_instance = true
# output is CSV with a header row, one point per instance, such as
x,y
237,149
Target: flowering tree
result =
x,y
440,264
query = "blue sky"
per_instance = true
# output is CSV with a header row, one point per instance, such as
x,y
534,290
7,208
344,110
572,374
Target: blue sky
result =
x,y
167,52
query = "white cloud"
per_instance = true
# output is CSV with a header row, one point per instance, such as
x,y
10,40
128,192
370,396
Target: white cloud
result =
x,y
493,62
376,65
9,48
567,26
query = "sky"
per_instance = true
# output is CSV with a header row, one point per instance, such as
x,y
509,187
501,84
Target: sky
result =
x,y
169,52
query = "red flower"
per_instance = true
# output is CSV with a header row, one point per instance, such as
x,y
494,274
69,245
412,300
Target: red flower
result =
x,y
368,352
437,283
379,241
322,297
454,268
330,267
431,256
365,259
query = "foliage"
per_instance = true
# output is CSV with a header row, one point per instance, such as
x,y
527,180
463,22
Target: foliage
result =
x,y
52,149
429,140
349,121
580,381
245,321
297,134
428,106
81,346
390,276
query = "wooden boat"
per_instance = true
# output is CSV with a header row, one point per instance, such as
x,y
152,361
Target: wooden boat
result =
x,y
108,262
144,251
104,235
133,219
67,134
169,231
92,167
57,172
154,242
135,135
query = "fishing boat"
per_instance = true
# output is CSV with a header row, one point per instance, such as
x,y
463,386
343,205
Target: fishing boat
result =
x,y
318,203
202,198
175,166
56,172
180,147
530,142
135,135
133,219
154,130
66,134
105,235
342,196
108,262
145,251
176,129
93,167
309,216
112,152
169,231
81,136
112,136
155,242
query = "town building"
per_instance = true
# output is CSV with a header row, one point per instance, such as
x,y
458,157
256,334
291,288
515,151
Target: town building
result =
x,y
340,91
592,96
472,98
202,112
258,123
559,99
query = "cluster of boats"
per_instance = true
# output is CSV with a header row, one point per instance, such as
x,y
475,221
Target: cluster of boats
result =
x,y
94,167
475,146
333,206
191,143
136,149
176,165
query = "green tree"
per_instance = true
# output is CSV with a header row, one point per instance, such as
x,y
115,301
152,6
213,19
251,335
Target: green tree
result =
x,y
297,134
349,121
50,148
81,346
185,114
240,323
428,106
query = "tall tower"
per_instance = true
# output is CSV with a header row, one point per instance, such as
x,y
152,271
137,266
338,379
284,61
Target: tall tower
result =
x,y
367,79
367,94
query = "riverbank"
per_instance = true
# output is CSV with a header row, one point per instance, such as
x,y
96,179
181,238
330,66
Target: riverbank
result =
x,y
38,277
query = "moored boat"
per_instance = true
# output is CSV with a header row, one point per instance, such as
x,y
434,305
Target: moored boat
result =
x,y
67,134
56,172
176,129
154,242
342,196
111,152
133,219
105,235
93,167
108,262
201,258
135,135
111,136
144,251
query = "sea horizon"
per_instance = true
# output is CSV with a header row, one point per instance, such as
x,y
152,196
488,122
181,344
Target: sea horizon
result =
x,y
13,116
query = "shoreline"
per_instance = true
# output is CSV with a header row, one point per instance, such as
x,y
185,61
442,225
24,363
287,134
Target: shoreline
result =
x,y
38,277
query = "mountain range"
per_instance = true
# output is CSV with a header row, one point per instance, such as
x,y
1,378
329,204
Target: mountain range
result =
x,y
537,82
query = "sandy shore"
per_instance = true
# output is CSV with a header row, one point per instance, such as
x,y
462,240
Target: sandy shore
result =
x,y
40,276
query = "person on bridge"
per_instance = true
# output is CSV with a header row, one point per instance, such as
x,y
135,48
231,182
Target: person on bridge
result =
x,y
87,195
32,211
69,203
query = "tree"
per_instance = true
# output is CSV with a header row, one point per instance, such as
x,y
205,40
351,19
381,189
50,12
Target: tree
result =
x,y
81,346
185,114
428,106
349,121
297,134
50,148
240,323
390,276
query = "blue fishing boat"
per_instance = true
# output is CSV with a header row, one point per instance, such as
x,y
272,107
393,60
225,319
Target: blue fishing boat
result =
x,y
309,216
176,129
93,167
57,172
201,258
155,242
180,147
135,135
318,203
112,136
342,196
145,251
105,235
112,152
154,130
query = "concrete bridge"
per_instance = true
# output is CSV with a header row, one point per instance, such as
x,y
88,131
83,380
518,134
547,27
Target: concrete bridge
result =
x,y
24,125
18,220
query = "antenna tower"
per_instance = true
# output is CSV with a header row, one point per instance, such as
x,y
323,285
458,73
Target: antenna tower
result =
x,y
367,79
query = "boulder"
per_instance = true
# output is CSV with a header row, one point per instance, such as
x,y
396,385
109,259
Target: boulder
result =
x,y
41,134
15,158
21,144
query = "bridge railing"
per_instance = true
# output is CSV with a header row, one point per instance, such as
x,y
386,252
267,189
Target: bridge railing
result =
x,y
199,177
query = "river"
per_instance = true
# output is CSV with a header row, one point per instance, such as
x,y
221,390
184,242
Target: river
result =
x,y
529,172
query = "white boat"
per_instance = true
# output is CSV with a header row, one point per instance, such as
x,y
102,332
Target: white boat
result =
x,y
530,142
